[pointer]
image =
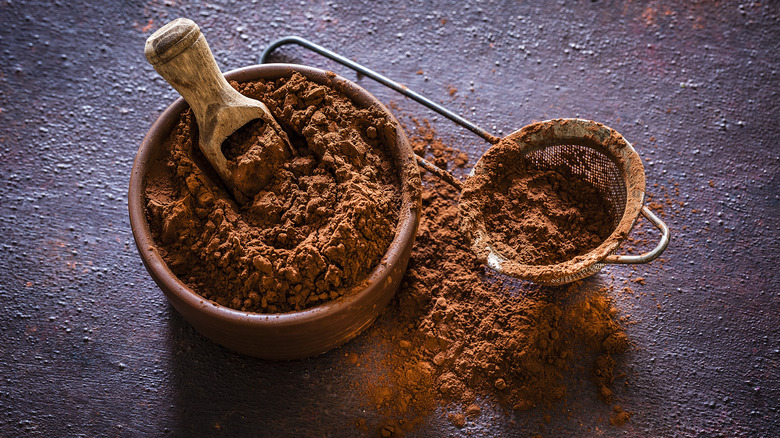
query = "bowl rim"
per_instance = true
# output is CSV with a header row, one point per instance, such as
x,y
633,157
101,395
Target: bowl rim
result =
x,y
406,227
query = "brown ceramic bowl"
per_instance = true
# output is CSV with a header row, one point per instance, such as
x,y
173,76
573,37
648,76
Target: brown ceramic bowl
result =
x,y
290,335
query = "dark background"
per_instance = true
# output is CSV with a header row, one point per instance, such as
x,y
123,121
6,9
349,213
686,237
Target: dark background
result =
x,y
91,347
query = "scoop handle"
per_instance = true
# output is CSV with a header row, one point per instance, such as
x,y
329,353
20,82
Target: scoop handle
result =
x,y
180,54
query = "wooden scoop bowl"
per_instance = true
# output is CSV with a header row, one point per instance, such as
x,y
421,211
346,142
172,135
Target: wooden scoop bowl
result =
x,y
180,54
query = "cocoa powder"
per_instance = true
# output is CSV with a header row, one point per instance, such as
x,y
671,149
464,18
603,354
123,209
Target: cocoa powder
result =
x,y
254,153
541,215
318,223
458,335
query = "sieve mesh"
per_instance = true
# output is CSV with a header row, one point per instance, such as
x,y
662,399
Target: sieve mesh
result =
x,y
590,164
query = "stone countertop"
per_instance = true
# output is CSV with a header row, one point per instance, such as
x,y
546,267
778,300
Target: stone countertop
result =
x,y
92,347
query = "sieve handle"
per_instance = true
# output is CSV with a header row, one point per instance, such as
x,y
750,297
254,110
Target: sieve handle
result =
x,y
439,172
384,80
648,256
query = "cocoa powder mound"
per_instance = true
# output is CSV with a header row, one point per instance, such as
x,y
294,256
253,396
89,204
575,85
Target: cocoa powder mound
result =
x,y
458,335
314,229
254,152
542,215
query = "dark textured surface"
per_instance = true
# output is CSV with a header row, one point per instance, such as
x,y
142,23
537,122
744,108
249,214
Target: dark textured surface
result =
x,y
92,348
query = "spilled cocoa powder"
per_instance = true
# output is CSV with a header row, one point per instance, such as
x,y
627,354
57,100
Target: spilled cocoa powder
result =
x,y
318,223
458,336
619,417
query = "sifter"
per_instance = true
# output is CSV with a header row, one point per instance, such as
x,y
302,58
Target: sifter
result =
x,y
592,152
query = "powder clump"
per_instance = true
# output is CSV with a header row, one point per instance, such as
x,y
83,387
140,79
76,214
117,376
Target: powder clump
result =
x,y
314,229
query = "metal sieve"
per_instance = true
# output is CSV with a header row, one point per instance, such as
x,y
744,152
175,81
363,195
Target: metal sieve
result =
x,y
592,151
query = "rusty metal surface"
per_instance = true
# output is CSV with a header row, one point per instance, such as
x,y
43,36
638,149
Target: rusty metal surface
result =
x,y
91,347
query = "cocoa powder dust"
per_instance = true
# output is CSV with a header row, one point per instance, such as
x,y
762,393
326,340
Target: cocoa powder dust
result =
x,y
458,336
317,224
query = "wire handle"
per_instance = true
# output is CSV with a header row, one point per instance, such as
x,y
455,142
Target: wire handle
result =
x,y
439,172
490,138
648,256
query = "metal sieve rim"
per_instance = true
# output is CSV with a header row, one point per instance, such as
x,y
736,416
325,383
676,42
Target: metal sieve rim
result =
x,y
539,136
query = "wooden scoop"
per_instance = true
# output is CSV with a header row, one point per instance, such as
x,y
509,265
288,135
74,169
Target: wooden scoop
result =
x,y
180,54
